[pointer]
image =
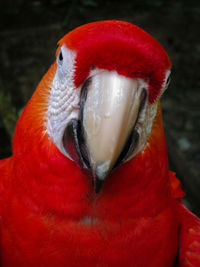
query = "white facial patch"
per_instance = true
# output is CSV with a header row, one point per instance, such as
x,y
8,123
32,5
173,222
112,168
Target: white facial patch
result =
x,y
64,103
147,116
165,83
144,125
63,99
145,121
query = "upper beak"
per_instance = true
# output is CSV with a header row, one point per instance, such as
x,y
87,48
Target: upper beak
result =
x,y
110,105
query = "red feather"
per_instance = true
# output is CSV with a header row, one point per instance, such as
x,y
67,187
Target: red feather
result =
x,y
50,215
134,52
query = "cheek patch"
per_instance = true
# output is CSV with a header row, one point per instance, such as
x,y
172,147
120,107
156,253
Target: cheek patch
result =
x,y
63,99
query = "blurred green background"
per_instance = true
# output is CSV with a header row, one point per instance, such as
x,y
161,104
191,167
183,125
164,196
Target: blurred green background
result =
x,y
29,31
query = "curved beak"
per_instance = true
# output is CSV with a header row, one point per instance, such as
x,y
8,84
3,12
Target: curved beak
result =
x,y
110,105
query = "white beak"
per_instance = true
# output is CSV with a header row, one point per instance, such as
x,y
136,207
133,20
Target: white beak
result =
x,y
110,112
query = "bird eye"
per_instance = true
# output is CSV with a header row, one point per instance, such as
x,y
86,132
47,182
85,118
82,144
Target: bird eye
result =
x,y
60,57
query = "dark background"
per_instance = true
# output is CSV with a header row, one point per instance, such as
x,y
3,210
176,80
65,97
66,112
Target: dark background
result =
x,y
29,31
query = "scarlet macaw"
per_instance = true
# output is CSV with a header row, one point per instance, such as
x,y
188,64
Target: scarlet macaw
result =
x,y
88,183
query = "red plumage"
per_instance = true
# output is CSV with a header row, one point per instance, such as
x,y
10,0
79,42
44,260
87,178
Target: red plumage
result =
x,y
134,53
50,215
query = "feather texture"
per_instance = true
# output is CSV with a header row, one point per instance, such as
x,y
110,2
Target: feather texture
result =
x,y
50,215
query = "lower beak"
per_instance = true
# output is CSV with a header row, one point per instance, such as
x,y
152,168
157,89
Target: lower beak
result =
x,y
110,105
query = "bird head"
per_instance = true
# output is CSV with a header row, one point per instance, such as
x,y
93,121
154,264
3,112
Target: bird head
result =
x,y
102,95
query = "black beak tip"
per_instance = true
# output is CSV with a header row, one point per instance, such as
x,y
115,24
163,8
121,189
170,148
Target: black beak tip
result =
x,y
98,185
